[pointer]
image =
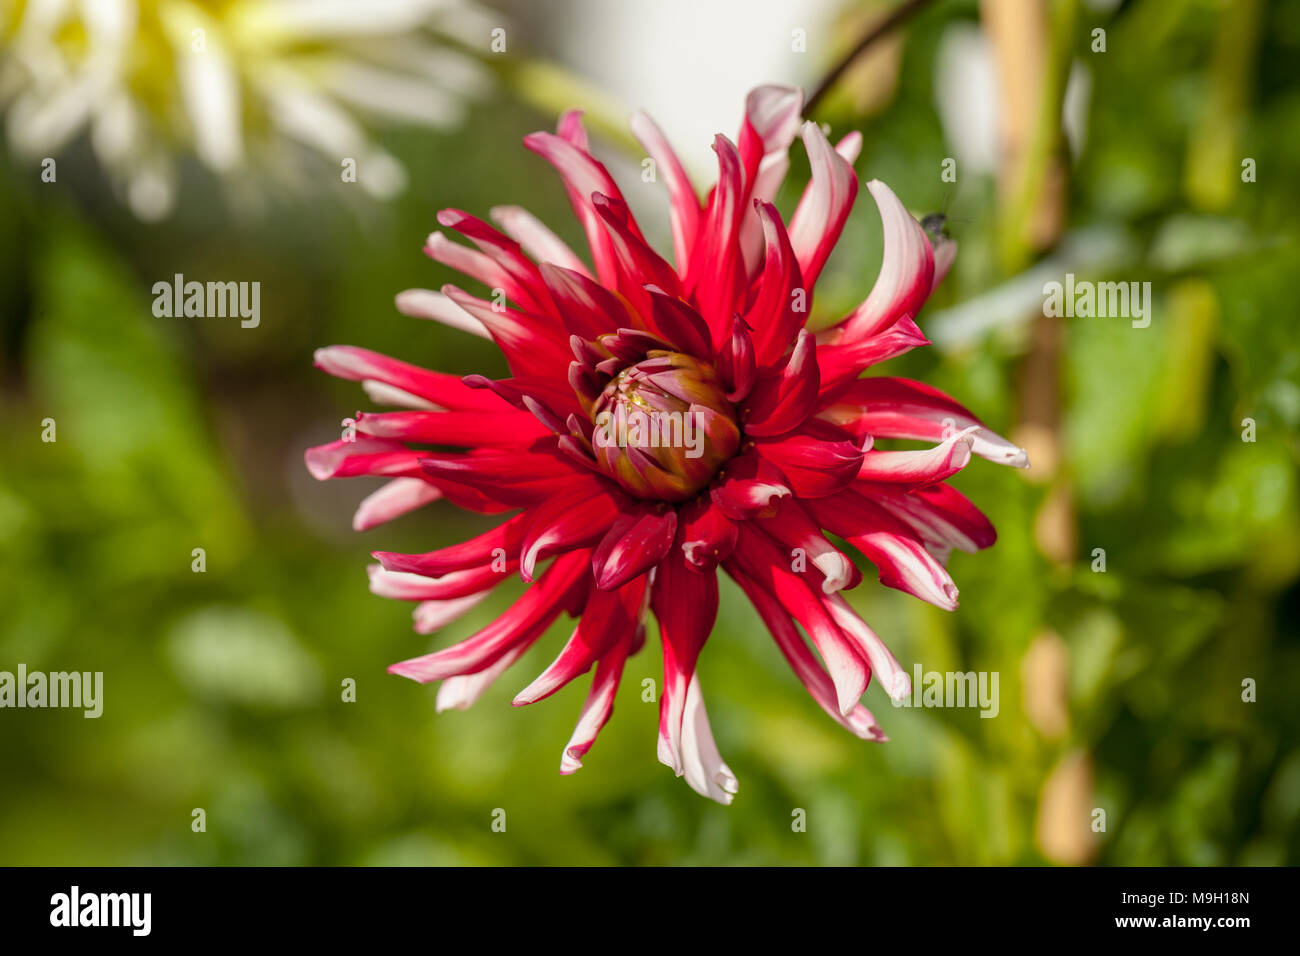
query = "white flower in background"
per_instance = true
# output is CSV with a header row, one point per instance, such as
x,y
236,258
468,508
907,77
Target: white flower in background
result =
x,y
231,81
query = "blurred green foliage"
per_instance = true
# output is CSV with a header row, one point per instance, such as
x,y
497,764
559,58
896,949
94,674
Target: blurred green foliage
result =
x,y
223,689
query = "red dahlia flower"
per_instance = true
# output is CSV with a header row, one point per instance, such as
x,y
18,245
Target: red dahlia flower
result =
x,y
662,421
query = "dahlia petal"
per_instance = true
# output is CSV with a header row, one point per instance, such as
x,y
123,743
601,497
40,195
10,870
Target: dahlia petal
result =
x,y
462,691
705,770
684,209
815,462
364,456
537,239
597,708
431,616
792,528
945,253
770,126
708,536
403,586
522,282
638,263
523,622
779,311
530,346
850,146
471,262
842,363
858,721
749,488
587,308
446,391
500,543
782,400
736,362
883,664
824,207
563,523
507,429
382,394
716,272
899,555
685,602
757,557
583,176
920,467
609,617
511,476
887,407
771,123
428,304
392,500
906,270
635,542
680,324
940,515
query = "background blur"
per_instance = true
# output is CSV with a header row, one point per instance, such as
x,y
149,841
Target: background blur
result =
x,y
1120,690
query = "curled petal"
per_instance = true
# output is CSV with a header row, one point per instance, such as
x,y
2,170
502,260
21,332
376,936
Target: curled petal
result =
x,y
749,488
821,213
883,664
707,536
906,270
499,544
885,407
920,467
705,770
842,363
432,616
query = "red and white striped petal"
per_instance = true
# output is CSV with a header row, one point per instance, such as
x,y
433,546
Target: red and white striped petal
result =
x,y
684,209
886,407
609,617
393,499
906,271
428,304
920,467
883,664
462,691
431,616
598,707
685,602
759,559
530,616
819,218
705,770
536,238
859,721
445,391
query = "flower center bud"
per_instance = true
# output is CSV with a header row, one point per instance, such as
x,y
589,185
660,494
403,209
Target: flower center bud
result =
x,y
663,427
